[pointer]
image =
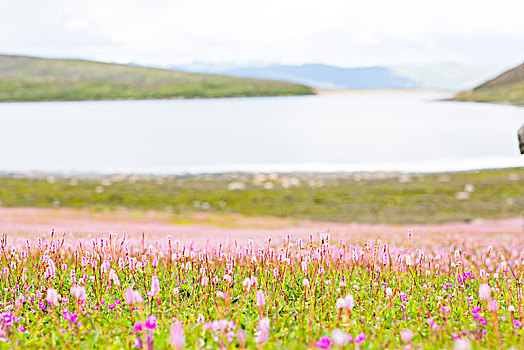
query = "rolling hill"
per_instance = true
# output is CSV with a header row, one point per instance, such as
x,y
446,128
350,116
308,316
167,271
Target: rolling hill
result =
x,y
508,87
25,78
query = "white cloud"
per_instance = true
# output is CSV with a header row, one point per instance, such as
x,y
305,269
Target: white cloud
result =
x,y
343,32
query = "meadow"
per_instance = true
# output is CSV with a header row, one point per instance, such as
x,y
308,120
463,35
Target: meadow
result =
x,y
316,291
387,198
324,290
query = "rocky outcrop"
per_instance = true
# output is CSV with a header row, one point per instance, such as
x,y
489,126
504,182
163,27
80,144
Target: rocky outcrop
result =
x,y
521,139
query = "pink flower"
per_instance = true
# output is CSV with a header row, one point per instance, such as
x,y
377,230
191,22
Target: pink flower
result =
x,y
151,322
323,343
137,328
350,302
247,283
78,292
133,297
263,331
517,323
52,296
176,335
137,342
7,319
155,286
406,335
261,299
360,338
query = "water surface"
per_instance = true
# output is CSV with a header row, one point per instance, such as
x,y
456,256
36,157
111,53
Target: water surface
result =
x,y
338,132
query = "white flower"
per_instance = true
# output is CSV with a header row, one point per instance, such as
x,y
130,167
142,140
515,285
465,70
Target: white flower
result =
x,y
341,303
484,292
462,344
340,338
305,282
350,302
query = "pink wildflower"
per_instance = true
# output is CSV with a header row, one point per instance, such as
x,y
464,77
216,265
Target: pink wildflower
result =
x,y
151,322
323,343
52,296
359,339
155,286
261,299
176,335
263,331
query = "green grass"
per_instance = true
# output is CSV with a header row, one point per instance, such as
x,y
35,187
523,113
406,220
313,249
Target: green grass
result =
x,y
38,79
422,199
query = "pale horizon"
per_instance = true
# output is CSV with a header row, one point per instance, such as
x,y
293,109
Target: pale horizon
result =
x,y
340,33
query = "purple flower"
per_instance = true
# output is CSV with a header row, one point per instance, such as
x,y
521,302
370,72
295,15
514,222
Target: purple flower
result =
x,y
323,343
111,307
137,343
517,323
7,319
151,322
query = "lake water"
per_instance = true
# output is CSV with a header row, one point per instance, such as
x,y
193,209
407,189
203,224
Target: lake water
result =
x,y
334,132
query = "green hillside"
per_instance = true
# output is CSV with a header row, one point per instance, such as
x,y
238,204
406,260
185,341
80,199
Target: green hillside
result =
x,y
505,88
40,79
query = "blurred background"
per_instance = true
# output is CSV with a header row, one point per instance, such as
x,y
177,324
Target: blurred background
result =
x,y
214,113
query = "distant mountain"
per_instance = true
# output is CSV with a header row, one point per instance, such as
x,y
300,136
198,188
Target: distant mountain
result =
x,y
25,78
442,76
319,76
507,87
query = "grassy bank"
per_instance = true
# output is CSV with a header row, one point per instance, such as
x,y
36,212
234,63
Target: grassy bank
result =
x,y
511,94
38,79
364,198
505,88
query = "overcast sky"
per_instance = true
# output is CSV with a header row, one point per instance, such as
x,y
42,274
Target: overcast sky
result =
x,y
341,32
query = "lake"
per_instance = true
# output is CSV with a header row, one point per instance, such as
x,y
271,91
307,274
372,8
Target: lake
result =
x,y
334,132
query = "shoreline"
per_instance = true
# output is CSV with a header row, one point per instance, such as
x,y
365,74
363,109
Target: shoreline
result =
x,y
235,173
373,91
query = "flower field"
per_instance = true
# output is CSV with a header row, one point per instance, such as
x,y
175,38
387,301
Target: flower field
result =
x,y
297,292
